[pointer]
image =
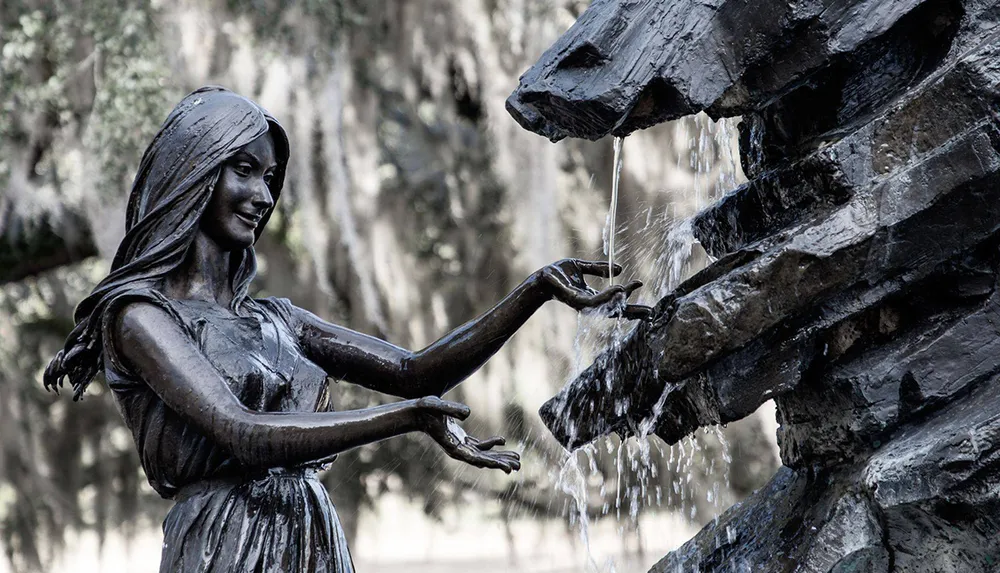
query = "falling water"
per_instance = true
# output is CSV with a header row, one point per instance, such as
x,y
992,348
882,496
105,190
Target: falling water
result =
x,y
658,246
613,210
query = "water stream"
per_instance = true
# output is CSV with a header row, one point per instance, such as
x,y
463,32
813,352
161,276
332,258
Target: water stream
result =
x,y
625,477
610,227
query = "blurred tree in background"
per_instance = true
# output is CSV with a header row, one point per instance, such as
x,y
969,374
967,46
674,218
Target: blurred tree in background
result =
x,y
413,203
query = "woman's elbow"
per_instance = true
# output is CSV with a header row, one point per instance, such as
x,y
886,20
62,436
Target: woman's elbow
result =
x,y
412,379
238,430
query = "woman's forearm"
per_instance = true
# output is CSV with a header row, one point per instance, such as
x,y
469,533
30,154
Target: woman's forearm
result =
x,y
386,368
264,440
451,359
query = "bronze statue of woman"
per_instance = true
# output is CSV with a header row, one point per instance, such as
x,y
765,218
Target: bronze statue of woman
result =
x,y
226,395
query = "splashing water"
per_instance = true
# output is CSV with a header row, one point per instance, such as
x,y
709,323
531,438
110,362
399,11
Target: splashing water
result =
x,y
692,476
609,239
680,243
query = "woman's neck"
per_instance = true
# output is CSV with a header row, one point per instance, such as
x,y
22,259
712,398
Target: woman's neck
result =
x,y
204,274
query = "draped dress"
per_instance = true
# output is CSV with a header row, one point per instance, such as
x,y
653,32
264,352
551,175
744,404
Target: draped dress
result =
x,y
228,517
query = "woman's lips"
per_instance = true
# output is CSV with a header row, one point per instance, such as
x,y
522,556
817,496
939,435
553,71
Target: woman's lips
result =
x,y
251,220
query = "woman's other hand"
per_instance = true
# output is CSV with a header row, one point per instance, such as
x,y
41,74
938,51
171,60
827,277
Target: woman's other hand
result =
x,y
565,282
437,418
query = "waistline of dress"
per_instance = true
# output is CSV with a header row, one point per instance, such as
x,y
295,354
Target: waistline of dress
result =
x,y
298,473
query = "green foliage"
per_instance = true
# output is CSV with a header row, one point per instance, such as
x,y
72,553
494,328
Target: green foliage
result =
x,y
281,22
30,42
92,68
132,93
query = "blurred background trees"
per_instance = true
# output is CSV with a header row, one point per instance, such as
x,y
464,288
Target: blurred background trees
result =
x,y
413,203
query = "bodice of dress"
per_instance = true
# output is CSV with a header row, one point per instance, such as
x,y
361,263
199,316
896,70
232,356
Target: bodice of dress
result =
x,y
258,355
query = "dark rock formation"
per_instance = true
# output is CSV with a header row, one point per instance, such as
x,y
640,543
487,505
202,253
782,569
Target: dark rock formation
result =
x,y
856,280
629,64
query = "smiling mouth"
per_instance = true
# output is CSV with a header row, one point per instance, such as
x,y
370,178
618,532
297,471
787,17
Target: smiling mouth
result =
x,y
251,220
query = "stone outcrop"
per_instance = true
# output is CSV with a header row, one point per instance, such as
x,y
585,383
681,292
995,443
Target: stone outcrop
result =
x,y
856,274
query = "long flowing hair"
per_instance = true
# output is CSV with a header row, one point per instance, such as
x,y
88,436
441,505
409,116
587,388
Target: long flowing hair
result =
x,y
170,193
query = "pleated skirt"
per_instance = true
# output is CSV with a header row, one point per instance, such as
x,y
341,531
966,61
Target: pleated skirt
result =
x,y
282,522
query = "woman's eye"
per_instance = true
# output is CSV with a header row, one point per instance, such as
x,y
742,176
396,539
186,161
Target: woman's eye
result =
x,y
242,169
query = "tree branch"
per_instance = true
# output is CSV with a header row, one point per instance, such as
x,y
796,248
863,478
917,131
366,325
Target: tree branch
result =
x,y
29,247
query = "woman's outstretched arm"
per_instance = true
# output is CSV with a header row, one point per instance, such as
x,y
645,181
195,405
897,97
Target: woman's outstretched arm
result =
x,y
155,347
376,364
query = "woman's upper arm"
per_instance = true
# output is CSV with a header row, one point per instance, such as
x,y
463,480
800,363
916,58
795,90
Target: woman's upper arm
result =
x,y
352,356
156,348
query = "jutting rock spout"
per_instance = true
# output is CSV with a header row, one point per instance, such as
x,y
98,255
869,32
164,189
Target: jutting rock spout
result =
x,y
628,64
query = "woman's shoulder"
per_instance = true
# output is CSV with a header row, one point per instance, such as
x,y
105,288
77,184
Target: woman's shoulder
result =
x,y
130,312
135,306
282,308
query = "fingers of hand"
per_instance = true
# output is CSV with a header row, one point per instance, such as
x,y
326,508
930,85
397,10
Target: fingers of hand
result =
x,y
606,295
575,293
637,312
597,268
459,411
632,287
479,459
578,286
501,459
513,459
52,386
488,444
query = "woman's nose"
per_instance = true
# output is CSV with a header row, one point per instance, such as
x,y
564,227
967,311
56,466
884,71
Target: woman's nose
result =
x,y
262,199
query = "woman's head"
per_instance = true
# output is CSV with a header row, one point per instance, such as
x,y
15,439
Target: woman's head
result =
x,y
180,167
196,152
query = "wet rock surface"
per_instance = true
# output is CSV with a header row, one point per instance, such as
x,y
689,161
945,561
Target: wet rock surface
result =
x,y
857,271
629,64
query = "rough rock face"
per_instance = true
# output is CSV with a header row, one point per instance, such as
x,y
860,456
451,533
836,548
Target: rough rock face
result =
x,y
857,271
629,64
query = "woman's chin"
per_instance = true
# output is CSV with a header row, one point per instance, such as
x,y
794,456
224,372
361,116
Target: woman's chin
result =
x,y
242,244
234,242
240,236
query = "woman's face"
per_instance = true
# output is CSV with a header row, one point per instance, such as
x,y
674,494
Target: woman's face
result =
x,y
241,196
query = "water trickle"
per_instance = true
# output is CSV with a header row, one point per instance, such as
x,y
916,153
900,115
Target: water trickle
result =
x,y
613,210
625,479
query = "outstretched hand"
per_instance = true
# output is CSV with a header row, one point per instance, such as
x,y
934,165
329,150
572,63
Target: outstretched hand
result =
x,y
439,420
566,283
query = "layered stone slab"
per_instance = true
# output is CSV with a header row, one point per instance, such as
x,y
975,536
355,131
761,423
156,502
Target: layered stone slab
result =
x,y
856,274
